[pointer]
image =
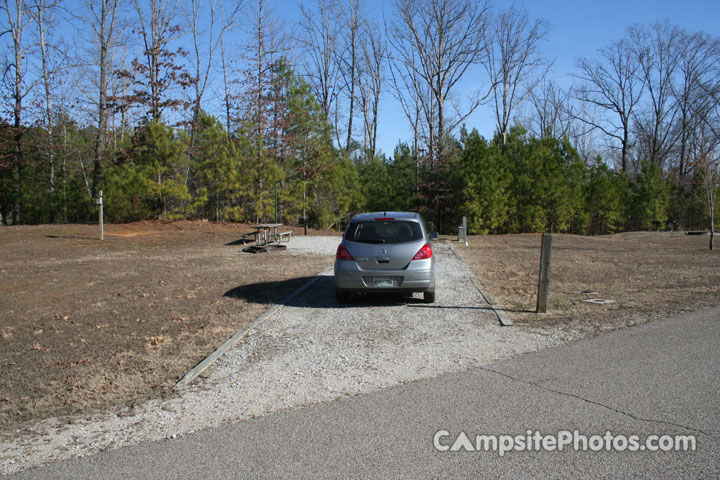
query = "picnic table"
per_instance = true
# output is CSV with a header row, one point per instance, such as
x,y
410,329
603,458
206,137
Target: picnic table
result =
x,y
268,233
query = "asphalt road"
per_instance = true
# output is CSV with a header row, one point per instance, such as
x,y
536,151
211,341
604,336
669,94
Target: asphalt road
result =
x,y
660,378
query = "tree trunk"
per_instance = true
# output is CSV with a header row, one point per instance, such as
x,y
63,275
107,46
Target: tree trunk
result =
x,y
102,106
154,61
225,85
626,135
105,34
352,93
63,171
712,223
48,114
16,30
17,163
353,32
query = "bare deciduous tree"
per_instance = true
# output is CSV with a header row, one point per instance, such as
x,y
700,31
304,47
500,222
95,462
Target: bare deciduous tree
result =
x,y
268,44
320,41
371,75
205,44
414,98
120,98
611,84
582,136
45,20
19,16
708,160
656,50
102,20
227,98
435,42
349,59
267,50
698,72
158,73
710,178
705,145
410,92
551,112
513,57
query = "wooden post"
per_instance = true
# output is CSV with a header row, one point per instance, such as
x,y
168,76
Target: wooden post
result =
x,y
544,277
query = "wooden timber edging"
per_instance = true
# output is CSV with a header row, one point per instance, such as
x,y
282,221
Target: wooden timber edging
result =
x,y
210,359
499,312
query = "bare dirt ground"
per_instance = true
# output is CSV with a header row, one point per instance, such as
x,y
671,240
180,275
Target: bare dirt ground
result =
x,y
91,326
646,274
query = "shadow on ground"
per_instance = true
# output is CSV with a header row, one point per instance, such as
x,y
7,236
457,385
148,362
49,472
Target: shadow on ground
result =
x,y
238,242
471,307
267,292
72,237
321,294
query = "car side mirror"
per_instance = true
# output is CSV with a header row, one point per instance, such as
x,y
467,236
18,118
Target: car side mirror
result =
x,y
434,236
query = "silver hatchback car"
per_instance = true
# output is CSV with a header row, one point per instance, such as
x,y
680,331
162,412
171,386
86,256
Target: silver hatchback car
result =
x,y
385,252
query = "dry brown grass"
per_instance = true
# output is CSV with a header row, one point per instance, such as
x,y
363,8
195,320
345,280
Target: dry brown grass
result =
x,y
647,274
88,325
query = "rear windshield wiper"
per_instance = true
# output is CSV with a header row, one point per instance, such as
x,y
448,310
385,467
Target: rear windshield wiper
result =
x,y
379,240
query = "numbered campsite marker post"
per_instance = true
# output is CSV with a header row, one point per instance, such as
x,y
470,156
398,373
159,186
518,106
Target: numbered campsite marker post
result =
x,y
464,225
99,202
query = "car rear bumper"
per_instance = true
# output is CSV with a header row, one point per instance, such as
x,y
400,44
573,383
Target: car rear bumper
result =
x,y
419,276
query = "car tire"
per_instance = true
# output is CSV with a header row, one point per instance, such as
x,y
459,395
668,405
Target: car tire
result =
x,y
342,297
429,297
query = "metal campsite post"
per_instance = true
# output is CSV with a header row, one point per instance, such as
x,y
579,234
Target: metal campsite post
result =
x,y
462,232
464,221
544,280
304,217
100,204
279,182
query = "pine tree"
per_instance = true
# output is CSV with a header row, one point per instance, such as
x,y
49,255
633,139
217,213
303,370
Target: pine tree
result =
x,y
158,153
606,199
486,184
217,167
649,198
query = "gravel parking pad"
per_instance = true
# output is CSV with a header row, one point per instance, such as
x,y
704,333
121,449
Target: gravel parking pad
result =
x,y
312,350
315,349
310,245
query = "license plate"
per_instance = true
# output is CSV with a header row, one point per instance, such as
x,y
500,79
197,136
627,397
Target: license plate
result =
x,y
382,282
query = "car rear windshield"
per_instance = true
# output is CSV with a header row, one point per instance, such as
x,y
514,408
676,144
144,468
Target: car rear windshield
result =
x,y
384,231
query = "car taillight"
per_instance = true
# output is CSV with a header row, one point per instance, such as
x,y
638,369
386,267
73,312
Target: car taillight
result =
x,y
424,253
343,254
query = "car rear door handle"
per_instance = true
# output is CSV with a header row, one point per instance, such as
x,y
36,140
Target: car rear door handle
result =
x,y
383,259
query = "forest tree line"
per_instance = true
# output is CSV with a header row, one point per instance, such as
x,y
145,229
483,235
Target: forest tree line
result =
x,y
203,109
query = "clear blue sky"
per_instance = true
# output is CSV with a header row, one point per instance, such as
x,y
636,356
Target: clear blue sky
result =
x,y
577,28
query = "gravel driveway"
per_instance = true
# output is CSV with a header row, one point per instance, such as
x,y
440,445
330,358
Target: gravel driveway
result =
x,y
312,350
